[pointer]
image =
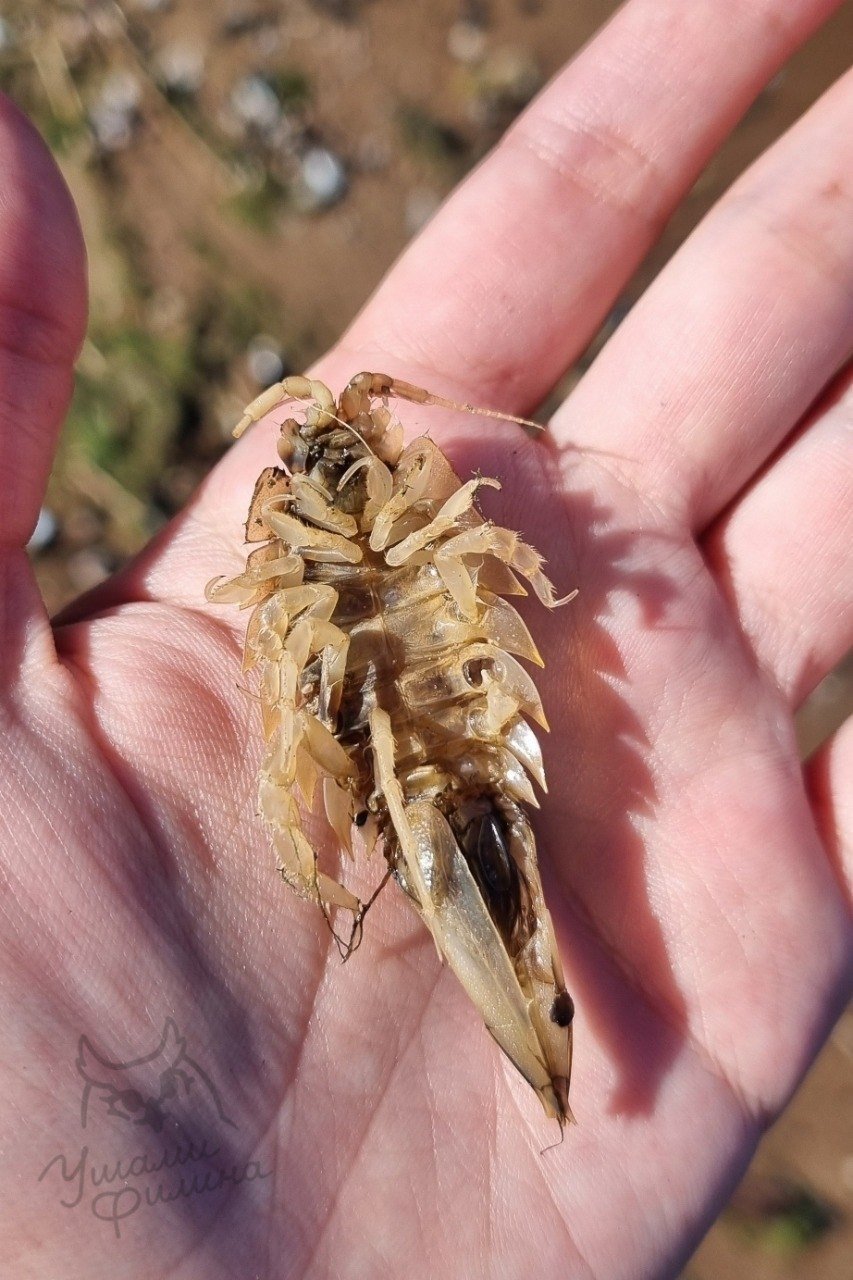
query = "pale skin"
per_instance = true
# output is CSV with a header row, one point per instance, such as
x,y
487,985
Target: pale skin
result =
x,y
696,489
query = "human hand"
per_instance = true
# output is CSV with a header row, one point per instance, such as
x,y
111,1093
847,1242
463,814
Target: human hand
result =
x,y
693,488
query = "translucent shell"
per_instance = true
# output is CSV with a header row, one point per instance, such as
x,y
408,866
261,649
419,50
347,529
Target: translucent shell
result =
x,y
387,659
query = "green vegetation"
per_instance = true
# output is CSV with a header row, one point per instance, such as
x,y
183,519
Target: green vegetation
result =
x,y
780,1217
143,400
123,418
291,86
259,204
429,138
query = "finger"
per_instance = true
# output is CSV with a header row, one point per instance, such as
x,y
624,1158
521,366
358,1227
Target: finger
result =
x,y
508,283
829,777
42,317
783,553
739,334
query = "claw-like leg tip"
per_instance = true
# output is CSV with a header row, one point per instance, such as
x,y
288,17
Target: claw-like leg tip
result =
x,y
565,599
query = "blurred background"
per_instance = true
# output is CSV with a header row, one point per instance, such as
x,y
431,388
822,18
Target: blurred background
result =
x,y
246,171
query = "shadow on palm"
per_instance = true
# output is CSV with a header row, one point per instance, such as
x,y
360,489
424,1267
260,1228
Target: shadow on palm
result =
x,y
596,757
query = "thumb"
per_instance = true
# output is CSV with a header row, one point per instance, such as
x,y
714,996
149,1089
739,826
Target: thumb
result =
x,y
42,318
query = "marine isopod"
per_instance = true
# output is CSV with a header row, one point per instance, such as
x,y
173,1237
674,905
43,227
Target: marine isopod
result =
x,y
387,655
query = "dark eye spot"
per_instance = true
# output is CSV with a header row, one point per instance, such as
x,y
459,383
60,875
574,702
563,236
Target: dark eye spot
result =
x,y
563,1009
361,818
131,1100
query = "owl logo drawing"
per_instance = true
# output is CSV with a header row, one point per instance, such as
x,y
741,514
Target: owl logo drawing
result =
x,y
152,1091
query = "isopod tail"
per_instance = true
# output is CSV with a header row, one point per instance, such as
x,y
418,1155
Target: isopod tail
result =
x,y
522,996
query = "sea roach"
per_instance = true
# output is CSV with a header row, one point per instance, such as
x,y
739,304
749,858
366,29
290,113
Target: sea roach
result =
x,y
387,656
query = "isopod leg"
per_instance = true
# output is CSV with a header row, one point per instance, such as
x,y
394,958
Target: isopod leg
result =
x,y
294,388
387,782
301,748
451,511
460,584
317,506
410,486
297,865
312,633
489,539
312,636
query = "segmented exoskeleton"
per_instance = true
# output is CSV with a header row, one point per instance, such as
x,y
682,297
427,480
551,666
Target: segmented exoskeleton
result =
x,y
384,644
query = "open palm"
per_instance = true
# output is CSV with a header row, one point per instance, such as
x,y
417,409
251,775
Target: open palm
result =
x,y
693,488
